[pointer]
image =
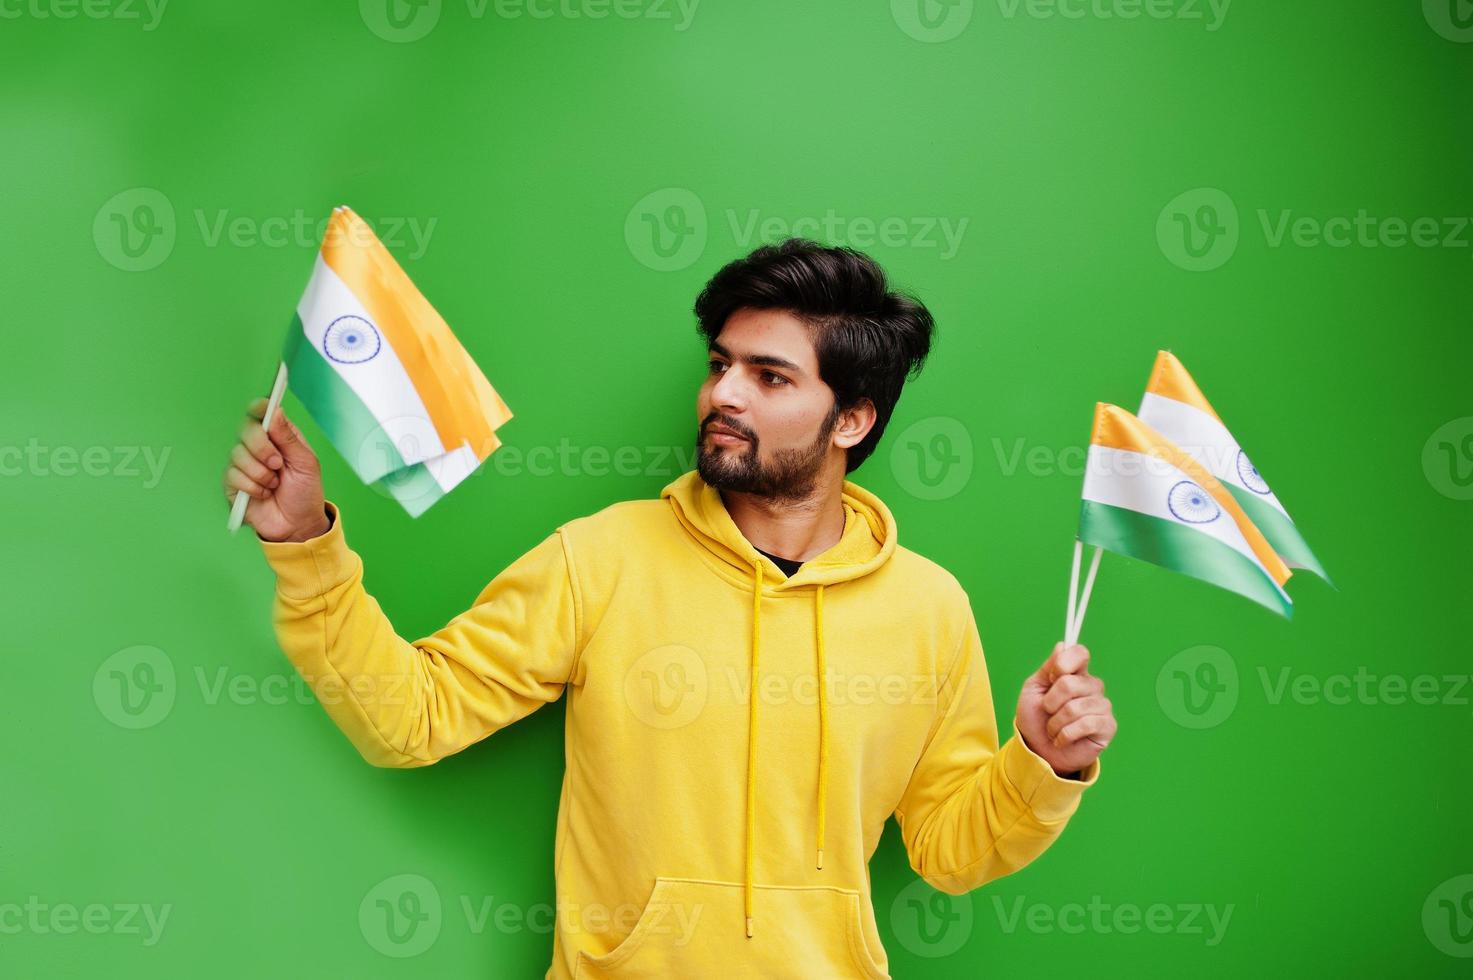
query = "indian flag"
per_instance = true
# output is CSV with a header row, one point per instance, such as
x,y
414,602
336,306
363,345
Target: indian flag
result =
x,y
1147,498
383,376
1175,407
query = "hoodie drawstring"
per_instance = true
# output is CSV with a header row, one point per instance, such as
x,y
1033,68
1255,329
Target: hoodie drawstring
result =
x,y
823,721
823,730
752,738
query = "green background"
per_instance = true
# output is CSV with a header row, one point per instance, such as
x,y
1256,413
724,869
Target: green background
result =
x,y
533,144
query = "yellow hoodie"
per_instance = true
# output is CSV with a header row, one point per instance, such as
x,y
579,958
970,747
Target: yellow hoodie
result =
x,y
703,832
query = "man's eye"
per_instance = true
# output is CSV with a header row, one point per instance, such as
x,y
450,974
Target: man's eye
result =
x,y
776,377
713,365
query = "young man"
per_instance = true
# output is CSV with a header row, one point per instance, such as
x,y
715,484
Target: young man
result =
x,y
758,674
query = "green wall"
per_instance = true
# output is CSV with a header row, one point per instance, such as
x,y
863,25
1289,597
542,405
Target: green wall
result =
x,y
1020,165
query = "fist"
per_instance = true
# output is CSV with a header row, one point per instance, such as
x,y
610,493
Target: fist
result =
x,y
280,474
1063,714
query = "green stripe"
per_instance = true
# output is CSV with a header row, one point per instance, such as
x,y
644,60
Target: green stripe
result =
x,y
1180,548
343,417
1280,532
415,487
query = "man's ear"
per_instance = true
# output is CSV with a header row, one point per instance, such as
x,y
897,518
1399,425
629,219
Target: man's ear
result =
x,y
854,423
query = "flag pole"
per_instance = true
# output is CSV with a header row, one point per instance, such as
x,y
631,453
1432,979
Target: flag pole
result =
x,y
1073,590
1077,623
278,388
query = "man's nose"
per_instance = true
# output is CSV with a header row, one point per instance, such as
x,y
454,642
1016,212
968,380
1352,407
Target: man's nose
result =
x,y
730,391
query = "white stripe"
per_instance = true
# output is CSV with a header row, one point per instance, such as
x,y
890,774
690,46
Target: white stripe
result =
x,y
1135,481
381,382
1201,437
449,469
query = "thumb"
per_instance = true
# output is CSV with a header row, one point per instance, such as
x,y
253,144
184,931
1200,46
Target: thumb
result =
x,y
290,441
1064,660
1044,676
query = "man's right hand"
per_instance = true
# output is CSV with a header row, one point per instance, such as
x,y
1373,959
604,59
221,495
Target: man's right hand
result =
x,y
281,476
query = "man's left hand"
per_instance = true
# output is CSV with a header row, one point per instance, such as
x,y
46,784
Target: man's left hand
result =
x,y
1063,713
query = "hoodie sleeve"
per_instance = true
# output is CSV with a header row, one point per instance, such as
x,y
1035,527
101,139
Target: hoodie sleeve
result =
x,y
973,812
405,704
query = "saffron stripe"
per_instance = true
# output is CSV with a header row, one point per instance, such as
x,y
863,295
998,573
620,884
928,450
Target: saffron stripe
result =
x,y
439,367
1169,379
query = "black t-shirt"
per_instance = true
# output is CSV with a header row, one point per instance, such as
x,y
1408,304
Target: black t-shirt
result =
x,y
789,566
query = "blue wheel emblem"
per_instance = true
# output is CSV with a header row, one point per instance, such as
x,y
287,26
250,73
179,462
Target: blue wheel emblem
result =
x,y
351,340
1190,503
1248,473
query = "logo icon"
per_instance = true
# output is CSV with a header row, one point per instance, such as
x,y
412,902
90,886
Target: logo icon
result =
x,y
1198,230
1198,687
930,923
1447,459
932,21
667,687
390,459
666,229
1452,19
400,21
932,458
135,230
134,688
400,916
1447,916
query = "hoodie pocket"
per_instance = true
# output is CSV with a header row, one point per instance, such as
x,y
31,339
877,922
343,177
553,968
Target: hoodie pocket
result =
x,y
692,927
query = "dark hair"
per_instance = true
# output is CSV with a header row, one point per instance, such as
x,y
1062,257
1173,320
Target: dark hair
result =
x,y
868,339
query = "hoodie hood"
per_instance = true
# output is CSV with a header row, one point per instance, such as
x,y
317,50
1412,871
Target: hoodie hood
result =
x,y
868,541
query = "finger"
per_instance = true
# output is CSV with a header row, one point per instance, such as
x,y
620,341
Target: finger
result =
x,y
257,409
253,467
1068,660
236,480
1099,729
1069,687
1045,674
1074,710
254,438
289,439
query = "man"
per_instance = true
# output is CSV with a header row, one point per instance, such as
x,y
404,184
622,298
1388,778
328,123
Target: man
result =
x,y
758,675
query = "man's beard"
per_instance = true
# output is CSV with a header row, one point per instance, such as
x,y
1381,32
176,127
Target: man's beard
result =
x,y
791,475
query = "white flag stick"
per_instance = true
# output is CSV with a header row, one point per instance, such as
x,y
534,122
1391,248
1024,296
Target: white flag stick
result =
x,y
238,508
1073,589
1089,584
